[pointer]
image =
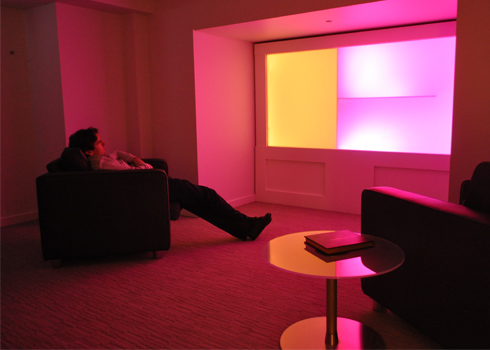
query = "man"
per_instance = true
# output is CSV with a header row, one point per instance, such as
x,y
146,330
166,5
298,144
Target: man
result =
x,y
199,200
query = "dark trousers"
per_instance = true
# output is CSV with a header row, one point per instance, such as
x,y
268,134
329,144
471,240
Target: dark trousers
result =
x,y
210,206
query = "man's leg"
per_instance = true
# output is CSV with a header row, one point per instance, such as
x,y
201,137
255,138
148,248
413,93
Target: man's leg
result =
x,y
209,205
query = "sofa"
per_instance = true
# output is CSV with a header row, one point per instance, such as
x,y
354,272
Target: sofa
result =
x,y
443,287
95,213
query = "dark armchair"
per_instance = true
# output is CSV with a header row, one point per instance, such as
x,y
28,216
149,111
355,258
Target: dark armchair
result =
x,y
84,213
443,287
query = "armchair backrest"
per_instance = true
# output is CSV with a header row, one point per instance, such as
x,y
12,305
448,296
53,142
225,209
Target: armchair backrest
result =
x,y
478,191
72,159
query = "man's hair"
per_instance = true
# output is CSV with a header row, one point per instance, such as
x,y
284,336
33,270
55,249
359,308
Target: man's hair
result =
x,y
84,139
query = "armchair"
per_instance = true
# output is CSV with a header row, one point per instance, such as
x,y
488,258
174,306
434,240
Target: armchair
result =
x,y
442,289
83,212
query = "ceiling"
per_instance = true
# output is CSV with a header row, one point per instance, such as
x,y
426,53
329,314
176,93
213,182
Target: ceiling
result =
x,y
24,4
378,14
373,15
114,6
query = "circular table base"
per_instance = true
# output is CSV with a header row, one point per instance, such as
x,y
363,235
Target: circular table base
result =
x,y
310,334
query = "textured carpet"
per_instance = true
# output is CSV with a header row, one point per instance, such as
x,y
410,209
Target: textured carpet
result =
x,y
209,291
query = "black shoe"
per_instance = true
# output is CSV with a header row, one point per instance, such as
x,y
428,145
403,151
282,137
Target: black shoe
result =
x,y
258,225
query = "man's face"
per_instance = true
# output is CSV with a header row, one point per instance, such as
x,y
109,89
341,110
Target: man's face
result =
x,y
99,147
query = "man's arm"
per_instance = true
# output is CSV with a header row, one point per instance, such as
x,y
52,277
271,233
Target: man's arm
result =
x,y
118,161
138,162
133,161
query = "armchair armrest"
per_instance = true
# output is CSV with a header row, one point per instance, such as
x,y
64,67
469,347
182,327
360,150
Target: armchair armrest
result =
x,y
157,163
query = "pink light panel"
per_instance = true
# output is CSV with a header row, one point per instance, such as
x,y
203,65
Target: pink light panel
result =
x,y
396,97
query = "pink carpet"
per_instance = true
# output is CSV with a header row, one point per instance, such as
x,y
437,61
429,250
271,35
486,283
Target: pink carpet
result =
x,y
209,291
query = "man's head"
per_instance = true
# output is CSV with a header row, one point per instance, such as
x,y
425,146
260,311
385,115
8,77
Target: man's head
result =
x,y
88,140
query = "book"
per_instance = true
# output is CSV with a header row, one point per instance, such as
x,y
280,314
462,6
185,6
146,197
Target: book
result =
x,y
338,241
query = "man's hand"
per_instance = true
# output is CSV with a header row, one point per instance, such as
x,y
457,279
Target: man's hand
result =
x,y
137,161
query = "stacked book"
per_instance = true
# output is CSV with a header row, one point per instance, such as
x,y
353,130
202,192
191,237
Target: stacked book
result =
x,y
338,242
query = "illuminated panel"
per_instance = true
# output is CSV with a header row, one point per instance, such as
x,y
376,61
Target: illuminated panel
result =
x,y
414,125
302,99
397,96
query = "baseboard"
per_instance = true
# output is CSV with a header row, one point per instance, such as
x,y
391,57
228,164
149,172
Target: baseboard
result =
x,y
188,214
242,201
18,219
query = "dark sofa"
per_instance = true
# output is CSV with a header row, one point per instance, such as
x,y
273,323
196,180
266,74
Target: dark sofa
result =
x,y
443,287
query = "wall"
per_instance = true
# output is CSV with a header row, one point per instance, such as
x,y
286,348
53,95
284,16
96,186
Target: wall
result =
x,y
105,76
139,111
225,116
45,82
471,121
18,134
93,72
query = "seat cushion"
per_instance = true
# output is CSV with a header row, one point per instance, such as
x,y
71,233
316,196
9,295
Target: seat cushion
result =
x,y
478,192
73,159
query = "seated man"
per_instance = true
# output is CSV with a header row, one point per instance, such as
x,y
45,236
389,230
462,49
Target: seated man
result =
x,y
199,200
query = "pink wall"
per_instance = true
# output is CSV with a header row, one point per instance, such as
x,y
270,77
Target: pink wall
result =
x,y
471,121
93,72
138,93
45,82
225,118
404,101
105,75
18,134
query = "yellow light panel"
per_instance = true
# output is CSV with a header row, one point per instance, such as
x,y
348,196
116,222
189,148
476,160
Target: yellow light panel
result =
x,y
302,99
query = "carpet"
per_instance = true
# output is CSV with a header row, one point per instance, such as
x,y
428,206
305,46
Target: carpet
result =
x,y
209,291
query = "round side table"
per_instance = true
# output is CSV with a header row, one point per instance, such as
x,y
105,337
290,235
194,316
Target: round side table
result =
x,y
290,253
